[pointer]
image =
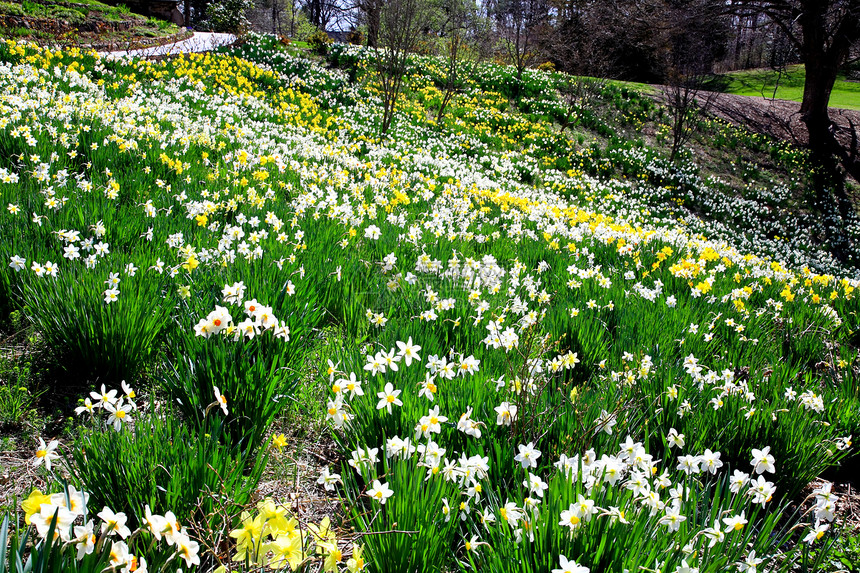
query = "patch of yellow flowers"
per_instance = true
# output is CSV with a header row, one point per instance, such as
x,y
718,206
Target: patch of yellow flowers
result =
x,y
273,538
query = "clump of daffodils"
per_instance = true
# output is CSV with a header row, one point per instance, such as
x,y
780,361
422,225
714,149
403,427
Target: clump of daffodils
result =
x,y
824,512
64,515
259,318
118,408
272,537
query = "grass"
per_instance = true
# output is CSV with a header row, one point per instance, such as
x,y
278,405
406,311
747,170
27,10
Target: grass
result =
x,y
21,32
60,9
761,82
16,400
638,86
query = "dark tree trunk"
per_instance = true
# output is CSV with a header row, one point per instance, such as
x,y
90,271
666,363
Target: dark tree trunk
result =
x,y
822,66
736,53
275,27
315,13
374,11
751,42
828,186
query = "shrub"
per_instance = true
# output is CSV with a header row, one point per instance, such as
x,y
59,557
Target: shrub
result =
x,y
355,37
319,42
302,27
16,399
229,15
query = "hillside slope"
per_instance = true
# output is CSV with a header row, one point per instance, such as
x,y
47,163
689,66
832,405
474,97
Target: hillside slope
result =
x,y
73,22
521,347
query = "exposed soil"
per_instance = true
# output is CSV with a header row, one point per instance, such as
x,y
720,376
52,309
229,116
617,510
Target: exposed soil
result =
x,y
781,118
848,505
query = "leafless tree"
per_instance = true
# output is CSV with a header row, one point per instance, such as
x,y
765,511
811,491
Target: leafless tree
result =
x,y
279,8
579,92
688,58
372,11
291,17
684,39
686,101
461,32
325,13
280,17
520,25
401,24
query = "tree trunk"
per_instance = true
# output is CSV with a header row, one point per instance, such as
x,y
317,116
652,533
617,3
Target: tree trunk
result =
x,y
315,13
820,78
293,18
275,17
828,185
828,181
374,11
751,41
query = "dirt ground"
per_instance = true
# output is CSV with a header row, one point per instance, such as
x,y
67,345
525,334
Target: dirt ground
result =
x,y
781,118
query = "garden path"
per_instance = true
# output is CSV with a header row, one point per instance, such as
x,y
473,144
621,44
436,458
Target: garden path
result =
x,y
199,42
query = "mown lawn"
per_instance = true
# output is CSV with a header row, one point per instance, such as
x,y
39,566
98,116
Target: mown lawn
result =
x,y
789,86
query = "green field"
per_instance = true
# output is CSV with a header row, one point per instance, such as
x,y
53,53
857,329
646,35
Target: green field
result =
x,y
761,82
